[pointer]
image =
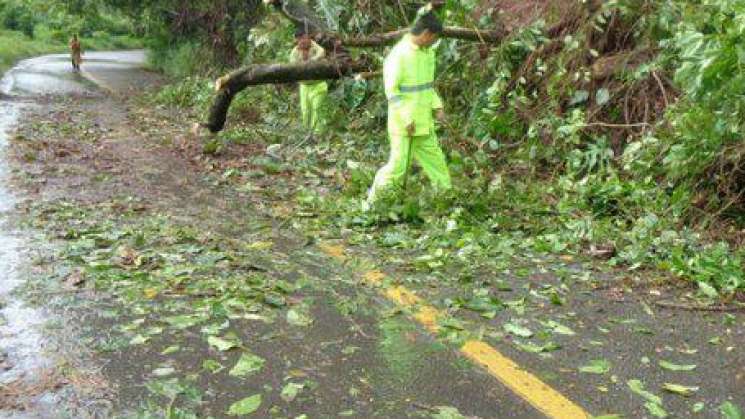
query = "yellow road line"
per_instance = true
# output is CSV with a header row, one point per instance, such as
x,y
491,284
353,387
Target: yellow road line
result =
x,y
529,387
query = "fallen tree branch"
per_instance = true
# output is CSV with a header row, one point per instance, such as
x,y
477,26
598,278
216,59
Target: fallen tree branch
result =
x,y
231,84
388,38
609,125
304,17
341,66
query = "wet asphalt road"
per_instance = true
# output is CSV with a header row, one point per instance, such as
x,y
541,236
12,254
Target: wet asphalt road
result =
x,y
408,369
52,75
22,342
403,363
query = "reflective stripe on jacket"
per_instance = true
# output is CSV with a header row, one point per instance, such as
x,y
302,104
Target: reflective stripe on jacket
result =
x,y
409,73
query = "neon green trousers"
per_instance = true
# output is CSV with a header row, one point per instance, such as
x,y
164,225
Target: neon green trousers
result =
x,y
312,105
425,150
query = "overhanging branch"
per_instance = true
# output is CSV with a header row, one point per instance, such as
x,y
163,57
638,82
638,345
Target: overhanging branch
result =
x,y
230,85
388,38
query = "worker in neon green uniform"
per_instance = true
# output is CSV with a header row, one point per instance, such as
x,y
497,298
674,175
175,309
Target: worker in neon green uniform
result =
x,y
409,72
312,93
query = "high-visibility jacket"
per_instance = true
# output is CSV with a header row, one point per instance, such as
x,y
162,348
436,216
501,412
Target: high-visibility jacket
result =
x,y
316,53
409,73
312,93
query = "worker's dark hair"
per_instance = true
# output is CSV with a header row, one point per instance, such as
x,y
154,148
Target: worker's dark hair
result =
x,y
427,22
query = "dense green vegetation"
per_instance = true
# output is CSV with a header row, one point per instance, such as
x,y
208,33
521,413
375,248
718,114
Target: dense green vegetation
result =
x,y
614,126
31,27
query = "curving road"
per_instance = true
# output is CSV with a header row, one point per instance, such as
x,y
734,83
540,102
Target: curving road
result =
x,y
22,353
52,74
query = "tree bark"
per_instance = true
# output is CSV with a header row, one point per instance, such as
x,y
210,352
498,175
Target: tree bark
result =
x,y
475,35
230,85
303,17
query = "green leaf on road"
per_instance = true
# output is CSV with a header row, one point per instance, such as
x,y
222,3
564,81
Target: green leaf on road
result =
x,y
533,348
675,367
212,366
684,391
221,344
697,407
447,412
637,387
183,322
290,391
730,411
517,330
139,340
247,364
655,410
297,317
216,328
596,366
245,406
559,328
170,350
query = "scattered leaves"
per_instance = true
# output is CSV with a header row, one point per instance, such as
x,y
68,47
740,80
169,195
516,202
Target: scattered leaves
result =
x,y
596,366
246,406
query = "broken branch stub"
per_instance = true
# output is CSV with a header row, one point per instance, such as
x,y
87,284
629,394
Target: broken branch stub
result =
x,y
230,85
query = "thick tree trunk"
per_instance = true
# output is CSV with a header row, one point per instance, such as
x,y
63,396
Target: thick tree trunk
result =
x,y
230,85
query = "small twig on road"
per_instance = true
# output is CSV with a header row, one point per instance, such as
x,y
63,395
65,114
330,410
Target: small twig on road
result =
x,y
422,406
698,307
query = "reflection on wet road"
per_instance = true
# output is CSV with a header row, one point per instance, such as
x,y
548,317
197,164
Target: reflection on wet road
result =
x,y
51,74
21,339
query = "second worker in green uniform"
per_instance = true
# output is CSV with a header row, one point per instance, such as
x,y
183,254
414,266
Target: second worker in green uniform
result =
x,y
413,104
312,93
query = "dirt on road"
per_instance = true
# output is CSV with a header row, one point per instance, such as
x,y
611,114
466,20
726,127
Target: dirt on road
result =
x,y
173,283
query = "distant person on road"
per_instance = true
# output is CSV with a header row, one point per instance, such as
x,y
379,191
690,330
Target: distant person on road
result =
x,y
76,52
312,93
409,72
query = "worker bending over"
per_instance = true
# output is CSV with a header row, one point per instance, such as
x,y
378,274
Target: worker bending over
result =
x,y
409,72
